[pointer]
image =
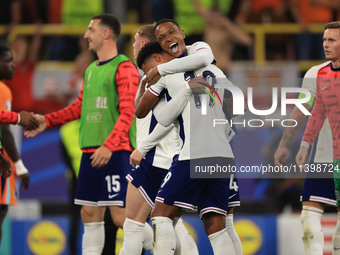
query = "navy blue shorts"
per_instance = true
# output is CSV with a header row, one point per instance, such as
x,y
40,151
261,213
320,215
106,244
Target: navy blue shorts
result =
x,y
208,195
147,179
105,186
234,194
319,190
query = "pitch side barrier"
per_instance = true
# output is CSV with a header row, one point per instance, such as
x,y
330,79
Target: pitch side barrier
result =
x,y
258,30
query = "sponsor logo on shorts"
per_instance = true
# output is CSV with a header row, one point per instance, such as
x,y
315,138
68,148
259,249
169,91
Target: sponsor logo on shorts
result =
x,y
232,196
112,196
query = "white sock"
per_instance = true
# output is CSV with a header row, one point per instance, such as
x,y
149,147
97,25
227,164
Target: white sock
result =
x,y
148,238
336,238
164,236
188,245
229,223
178,242
133,237
221,243
312,230
93,238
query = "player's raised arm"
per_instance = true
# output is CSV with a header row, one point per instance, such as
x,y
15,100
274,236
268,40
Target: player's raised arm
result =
x,y
199,56
171,38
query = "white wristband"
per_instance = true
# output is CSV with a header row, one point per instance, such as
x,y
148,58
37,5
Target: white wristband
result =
x,y
18,118
305,144
20,169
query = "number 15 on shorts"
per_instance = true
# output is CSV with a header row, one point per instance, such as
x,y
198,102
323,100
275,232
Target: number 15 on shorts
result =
x,y
113,183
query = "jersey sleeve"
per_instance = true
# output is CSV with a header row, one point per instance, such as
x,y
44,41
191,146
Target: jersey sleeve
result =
x,y
127,79
68,114
199,56
158,87
9,117
309,83
157,134
316,120
166,113
309,80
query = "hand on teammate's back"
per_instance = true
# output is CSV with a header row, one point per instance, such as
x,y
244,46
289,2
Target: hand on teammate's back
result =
x,y
198,84
27,120
5,167
40,128
151,77
25,181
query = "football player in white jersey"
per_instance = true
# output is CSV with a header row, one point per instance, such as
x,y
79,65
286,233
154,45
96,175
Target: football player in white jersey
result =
x,y
156,146
171,38
179,192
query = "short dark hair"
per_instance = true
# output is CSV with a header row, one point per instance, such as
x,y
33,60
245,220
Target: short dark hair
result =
x,y
166,20
334,24
3,50
146,52
111,21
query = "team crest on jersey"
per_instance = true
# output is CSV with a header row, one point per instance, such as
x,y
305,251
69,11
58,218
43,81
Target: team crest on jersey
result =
x,y
8,105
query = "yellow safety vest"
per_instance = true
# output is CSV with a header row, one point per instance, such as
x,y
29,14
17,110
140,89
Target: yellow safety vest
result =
x,y
69,133
189,20
80,12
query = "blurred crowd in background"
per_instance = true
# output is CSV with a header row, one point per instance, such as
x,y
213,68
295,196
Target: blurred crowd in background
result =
x,y
217,22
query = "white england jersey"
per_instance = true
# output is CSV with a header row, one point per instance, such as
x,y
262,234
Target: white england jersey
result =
x,y
199,137
162,154
322,151
199,55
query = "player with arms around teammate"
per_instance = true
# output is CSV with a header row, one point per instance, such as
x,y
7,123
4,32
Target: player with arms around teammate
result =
x,y
171,38
156,146
8,187
178,191
107,130
327,98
